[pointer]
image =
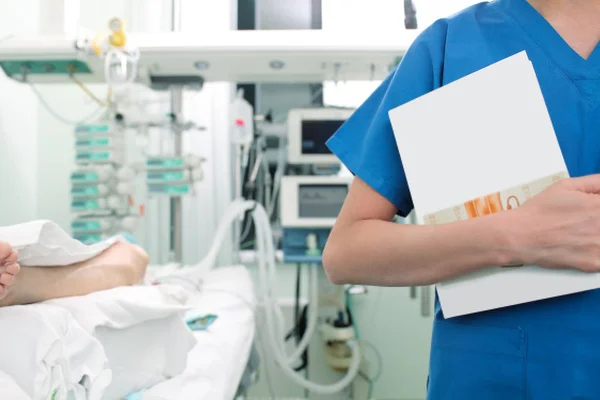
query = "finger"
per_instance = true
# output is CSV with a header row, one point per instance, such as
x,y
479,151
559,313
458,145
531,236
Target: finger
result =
x,y
13,269
7,279
587,184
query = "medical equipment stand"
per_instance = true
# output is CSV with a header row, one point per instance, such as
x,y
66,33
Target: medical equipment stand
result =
x,y
177,111
176,202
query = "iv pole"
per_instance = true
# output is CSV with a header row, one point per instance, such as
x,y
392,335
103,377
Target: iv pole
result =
x,y
176,111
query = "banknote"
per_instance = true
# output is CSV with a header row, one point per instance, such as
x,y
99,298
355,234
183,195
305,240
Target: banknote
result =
x,y
503,200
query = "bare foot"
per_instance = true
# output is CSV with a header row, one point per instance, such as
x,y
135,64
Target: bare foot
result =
x,y
125,260
122,264
8,268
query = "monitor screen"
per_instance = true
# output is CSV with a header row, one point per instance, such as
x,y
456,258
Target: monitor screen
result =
x,y
321,201
315,133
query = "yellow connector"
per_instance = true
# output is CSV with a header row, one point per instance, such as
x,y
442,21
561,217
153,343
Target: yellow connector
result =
x,y
117,38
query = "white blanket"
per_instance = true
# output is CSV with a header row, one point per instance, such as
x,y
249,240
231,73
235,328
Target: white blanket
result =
x,y
43,243
142,330
47,353
216,364
9,388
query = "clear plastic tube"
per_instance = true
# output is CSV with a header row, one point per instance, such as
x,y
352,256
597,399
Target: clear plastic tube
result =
x,y
273,314
276,334
116,56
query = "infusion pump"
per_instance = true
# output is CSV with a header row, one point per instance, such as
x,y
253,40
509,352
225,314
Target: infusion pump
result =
x,y
309,206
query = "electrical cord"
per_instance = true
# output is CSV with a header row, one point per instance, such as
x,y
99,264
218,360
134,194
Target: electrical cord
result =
x,y
301,331
248,191
255,186
370,382
87,91
247,245
56,115
297,300
349,311
278,176
298,331
299,328
365,343
371,346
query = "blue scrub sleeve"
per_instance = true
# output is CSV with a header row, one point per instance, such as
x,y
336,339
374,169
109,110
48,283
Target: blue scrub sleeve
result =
x,y
365,143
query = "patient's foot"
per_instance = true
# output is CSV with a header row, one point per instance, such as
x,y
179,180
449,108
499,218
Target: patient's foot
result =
x,y
8,268
122,264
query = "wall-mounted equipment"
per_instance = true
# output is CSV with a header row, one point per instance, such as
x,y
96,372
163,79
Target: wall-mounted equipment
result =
x,y
309,129
309,207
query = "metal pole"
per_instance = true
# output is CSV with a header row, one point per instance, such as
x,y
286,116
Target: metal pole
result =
x,y
177,110
176,15
176,202
237,227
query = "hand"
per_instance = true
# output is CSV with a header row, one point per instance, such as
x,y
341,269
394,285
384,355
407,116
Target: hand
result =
x,y
560,227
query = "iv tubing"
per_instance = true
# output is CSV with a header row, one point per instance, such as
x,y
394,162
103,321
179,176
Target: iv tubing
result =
x,y
273,313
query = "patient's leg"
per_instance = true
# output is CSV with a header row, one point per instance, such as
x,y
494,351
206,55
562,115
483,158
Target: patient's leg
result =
x,y
122,264
8,268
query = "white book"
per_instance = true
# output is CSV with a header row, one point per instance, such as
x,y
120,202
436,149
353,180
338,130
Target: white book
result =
x,y
483,144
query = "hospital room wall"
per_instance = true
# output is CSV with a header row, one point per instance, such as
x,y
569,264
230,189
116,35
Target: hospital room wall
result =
x,y
18,124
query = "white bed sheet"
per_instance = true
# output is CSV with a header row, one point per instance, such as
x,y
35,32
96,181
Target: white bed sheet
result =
x,y
9,388
142,332
217,362
46,351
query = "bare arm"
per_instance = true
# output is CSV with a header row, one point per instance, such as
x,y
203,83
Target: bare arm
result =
x,y
366,247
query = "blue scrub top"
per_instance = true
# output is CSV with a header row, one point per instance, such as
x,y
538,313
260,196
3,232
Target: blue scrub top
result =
x,y
543,350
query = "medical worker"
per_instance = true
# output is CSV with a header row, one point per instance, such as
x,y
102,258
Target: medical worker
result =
x,y
543,350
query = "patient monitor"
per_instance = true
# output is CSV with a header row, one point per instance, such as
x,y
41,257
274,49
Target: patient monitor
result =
x,y
308,129
309,207
312,201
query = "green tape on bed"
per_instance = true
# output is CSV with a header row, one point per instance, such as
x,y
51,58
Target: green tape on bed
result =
x,y
201,323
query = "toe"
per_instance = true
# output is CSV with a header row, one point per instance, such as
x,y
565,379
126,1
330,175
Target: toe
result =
x,y
5,252
12,258
7,279
3,292
13,269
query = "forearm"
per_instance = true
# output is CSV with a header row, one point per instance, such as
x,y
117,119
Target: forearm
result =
x,y
375,252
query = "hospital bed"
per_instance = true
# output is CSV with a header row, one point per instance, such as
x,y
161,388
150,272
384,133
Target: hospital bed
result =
x,y
139,335
185,333
224,350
